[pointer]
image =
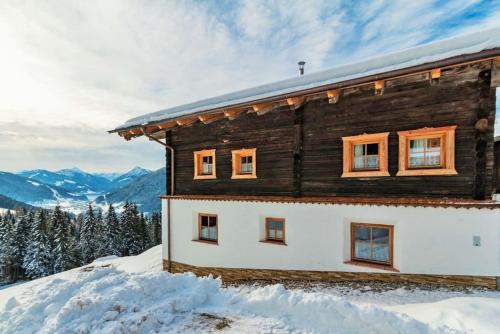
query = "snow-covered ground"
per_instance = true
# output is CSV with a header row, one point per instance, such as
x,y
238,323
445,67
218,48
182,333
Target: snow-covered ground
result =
x,y
133,295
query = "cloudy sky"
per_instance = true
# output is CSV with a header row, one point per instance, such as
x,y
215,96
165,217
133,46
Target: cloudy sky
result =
x,y
70,70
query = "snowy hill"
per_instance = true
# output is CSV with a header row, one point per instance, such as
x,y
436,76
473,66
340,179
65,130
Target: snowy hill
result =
x,y
133,295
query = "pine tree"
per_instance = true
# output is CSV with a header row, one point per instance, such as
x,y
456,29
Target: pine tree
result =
x,y
74,248
142,231
88,242
37,261
7,247
114,232
102,242
130,221
62,241
155,227
23,230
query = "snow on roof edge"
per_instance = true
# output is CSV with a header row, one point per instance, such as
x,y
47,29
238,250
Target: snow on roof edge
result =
x,y
398,60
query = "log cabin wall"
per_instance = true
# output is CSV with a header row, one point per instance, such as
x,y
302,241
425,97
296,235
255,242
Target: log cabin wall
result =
x,y
272,134
497,166
462,96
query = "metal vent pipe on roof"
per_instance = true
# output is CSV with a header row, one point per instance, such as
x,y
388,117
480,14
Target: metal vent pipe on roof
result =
x,y
301,67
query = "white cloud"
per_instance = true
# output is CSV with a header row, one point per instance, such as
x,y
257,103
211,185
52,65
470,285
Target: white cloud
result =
x,y
74,71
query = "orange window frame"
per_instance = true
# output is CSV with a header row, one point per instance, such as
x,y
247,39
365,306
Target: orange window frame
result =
x,y
447,154
236,162
198,160
381,139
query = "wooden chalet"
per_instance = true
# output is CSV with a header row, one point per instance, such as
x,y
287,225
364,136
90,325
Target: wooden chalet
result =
x,y
382,169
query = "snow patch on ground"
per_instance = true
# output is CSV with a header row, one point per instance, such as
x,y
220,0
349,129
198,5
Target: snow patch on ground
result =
x,y
133,294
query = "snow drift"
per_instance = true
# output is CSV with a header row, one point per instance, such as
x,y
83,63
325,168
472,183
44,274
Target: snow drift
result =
x,y
133,295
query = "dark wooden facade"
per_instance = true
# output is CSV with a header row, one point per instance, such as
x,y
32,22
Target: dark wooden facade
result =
x,y
299,152
497,165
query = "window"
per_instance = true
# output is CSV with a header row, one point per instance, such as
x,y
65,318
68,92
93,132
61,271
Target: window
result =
x,y
207,227
244,164
275,230
372,243
365,155
204,164
427,151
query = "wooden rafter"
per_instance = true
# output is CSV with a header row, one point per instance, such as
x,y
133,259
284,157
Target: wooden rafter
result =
x,y
333,95
436,73
187,121
262,108
209,118
296,102
233,113
379,87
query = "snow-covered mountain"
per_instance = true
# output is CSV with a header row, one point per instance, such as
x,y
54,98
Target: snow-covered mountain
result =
x,y
128,177
144,190
32,191
72,188
74,180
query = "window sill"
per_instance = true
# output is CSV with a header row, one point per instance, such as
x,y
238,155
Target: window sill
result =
x,y
215,243
204,177
250,176
279,243
372,265
427,172
366,174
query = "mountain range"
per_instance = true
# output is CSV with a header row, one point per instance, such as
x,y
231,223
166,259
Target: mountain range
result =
x,y
74,188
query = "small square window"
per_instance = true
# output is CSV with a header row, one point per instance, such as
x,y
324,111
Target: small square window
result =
x,y
204,164
207,227
275,230
427,151
365,155
244,164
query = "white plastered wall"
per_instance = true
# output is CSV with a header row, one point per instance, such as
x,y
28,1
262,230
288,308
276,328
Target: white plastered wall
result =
x,y
426,240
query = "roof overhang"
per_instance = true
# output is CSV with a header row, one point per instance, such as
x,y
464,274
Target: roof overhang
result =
x,y
292,98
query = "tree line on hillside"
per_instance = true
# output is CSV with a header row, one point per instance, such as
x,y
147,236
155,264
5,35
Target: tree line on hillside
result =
x,y
37,243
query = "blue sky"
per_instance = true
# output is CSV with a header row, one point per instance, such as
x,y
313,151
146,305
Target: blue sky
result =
x,y
71,72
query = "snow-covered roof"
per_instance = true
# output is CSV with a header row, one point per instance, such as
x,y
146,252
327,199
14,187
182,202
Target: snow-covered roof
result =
x,y
429,53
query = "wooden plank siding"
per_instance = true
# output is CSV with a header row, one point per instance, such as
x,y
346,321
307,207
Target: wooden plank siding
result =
x,y
497,166
299,153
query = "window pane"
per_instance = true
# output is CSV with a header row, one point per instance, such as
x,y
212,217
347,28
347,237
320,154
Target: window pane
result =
x,y
425,152
366,156
359,150
204,232
212,233
279,234
204,220
380,238
362,248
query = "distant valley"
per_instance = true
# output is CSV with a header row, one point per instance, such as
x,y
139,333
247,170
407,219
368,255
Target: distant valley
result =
x,y
74,188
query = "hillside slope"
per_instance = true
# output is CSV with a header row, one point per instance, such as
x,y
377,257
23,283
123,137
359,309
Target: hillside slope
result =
x,y
26,190
145,191
9,203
